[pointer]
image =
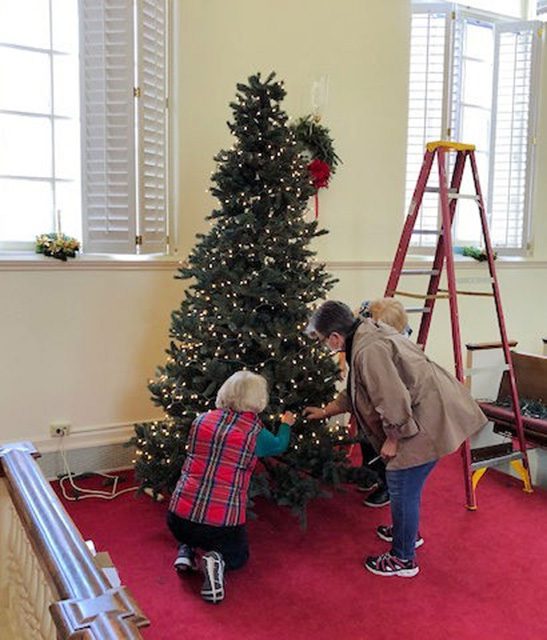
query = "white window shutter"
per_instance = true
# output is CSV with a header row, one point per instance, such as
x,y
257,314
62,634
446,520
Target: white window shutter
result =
x,y
427,118
152,125
108,141
513,131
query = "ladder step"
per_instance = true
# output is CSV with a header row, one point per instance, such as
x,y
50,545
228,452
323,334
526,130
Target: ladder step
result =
x,y
463,196
475,280
453,194
426,232
496,460
420,272
492,367
491,451
417,309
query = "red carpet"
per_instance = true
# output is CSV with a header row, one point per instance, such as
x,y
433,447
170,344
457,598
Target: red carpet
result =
x,y
483,574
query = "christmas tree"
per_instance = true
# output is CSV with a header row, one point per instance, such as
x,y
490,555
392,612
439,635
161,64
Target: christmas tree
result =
x,y
252,284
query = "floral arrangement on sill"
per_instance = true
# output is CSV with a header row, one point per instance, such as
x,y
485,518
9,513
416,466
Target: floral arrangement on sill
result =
x,y
57,245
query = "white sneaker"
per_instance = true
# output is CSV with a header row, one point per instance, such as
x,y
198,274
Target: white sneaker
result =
x,y
212,564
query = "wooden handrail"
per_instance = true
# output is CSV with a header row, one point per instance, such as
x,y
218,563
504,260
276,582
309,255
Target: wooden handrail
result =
x,y
87,607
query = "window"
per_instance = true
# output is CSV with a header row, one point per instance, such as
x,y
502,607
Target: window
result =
x,y
473,78
83,123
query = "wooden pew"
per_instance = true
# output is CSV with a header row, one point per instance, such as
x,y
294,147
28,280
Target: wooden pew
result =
x,y
531,376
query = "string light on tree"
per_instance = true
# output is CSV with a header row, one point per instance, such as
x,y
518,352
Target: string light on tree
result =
x,y
249,281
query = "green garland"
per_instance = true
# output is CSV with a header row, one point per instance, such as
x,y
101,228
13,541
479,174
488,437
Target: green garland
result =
x,y
529,408
315,139
477,254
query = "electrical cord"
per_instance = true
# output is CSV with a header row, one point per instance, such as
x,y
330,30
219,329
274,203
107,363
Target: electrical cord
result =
x,y
82,493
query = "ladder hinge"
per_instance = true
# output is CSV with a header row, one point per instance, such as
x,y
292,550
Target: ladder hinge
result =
x,y
453,15
138,241
136,92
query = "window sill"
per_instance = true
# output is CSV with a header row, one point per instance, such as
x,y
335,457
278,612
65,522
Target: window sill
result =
x,y
27,261
422,261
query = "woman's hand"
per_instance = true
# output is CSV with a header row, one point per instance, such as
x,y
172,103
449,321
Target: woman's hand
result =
x,y
315,413
389,449
288,418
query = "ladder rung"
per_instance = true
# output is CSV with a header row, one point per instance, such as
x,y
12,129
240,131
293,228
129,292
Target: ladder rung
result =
x,y
421,296
491,367
463,196
438,190
492,462
420,272
470,293
475,280
417,309
426,232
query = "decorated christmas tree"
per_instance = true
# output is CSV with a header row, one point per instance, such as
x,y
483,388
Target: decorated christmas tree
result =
x,y
252,281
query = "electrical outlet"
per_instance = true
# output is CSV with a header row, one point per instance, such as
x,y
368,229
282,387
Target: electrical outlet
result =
x,y
59,429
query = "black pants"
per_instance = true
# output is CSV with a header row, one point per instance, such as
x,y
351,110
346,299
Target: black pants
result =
x,y
368,452
231,542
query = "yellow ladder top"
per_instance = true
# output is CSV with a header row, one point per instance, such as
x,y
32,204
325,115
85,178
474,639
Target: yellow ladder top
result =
x,y
451,146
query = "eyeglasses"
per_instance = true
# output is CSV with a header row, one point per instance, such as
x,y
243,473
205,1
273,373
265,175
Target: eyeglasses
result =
x,y
323,340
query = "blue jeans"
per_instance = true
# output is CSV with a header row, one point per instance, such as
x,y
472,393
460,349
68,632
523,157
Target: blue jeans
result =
x,y
405,490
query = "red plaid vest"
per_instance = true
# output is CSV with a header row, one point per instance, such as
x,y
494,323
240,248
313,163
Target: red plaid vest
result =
x,y
214,481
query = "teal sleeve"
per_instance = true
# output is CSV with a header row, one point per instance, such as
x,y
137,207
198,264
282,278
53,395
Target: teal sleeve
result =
x,y
268,444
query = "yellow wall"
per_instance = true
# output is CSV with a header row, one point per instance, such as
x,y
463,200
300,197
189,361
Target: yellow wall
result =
x,y
79,344
362,46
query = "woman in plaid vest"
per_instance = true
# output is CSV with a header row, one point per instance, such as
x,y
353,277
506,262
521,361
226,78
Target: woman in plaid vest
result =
x,y
208,507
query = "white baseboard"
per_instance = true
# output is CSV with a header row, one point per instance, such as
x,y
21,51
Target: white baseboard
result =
x,y
86,437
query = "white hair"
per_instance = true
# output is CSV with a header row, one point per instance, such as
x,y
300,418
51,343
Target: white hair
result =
x,y
243,391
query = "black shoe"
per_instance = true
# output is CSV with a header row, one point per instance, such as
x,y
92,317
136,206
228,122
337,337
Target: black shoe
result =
x,y
212,564
186,559
367,487
385,532
380,498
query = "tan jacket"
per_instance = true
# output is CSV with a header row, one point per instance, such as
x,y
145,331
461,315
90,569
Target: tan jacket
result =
x,y
397,390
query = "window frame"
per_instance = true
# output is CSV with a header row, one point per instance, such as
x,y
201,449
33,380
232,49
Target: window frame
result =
x,y
15,251
451,113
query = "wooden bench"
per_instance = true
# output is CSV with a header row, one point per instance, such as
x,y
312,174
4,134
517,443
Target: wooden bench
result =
x,y
531,376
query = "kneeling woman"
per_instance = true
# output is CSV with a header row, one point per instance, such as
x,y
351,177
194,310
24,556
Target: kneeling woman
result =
x,y
207,508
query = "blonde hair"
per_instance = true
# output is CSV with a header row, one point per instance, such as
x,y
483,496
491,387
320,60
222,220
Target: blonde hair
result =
x,y
390,311
243,391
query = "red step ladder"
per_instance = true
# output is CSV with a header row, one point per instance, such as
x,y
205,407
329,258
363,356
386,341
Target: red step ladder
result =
x,y
474,465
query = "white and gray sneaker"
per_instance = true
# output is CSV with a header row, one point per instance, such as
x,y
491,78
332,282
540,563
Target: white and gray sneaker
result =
x,y
212,564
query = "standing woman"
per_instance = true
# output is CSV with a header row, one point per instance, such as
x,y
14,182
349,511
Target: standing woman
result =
x,y
412,411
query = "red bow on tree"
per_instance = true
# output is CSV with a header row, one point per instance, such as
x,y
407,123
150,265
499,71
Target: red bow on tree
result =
x,y
320,174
